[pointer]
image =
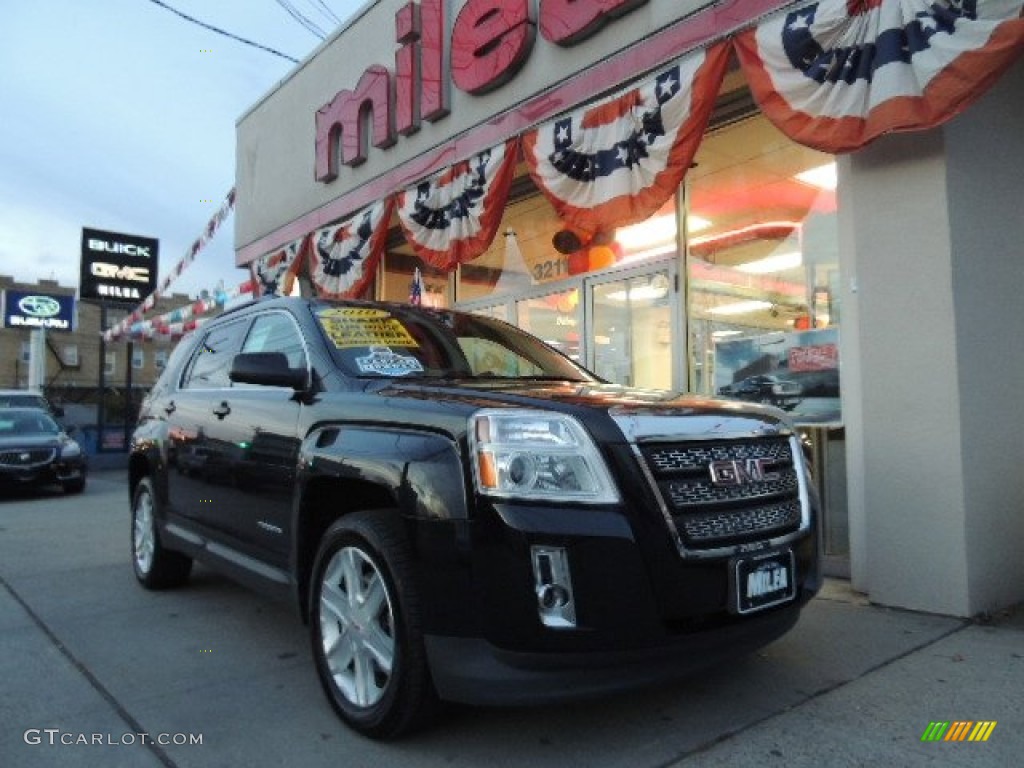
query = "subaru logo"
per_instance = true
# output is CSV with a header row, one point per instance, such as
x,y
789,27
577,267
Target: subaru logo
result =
x,y
735,472
39,306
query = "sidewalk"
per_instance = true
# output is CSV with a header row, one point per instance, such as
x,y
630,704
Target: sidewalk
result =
x,y
952,670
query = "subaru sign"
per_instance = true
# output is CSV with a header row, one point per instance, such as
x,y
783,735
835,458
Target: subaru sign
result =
x,y
117,267
28,309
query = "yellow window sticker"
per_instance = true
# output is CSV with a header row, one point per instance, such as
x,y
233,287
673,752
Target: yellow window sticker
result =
x,y
348,327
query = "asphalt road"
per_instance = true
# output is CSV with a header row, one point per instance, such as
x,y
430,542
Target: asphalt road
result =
x,y
95,671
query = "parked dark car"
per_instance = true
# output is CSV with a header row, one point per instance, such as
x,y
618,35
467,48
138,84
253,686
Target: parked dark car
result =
x,y
35,451
461,512
29,398
765,388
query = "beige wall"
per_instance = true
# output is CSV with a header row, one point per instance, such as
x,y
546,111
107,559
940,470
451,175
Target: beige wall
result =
x,y
86,336
276,138
931,233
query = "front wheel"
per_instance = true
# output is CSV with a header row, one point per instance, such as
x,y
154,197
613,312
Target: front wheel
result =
x,y
155,566
365,627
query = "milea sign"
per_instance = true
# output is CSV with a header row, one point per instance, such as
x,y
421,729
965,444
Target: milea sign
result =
x,y
488,45
117,267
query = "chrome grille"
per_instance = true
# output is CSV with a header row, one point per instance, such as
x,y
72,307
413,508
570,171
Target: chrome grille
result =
x,y
27,458
718,527
699,491
707,514
672,458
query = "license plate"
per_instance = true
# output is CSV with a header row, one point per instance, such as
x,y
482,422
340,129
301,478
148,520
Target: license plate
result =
x,y
763,581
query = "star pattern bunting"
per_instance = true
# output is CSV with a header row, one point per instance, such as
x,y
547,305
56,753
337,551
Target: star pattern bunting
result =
x,y
451,217
343,256
837,74
618,161
275,272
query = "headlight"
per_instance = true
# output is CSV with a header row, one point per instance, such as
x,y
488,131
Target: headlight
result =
x,y
537,455
70,450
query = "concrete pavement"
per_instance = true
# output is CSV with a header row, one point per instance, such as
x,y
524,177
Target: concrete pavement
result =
x,y
86,654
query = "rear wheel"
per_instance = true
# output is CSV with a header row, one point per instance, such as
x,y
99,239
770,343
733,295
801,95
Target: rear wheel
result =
x,y
365,627
155,566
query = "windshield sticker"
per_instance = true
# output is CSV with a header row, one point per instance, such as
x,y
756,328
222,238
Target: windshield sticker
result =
x,y
350,327
384,362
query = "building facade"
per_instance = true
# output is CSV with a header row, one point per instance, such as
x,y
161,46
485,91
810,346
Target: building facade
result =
x,y
73,361
671,194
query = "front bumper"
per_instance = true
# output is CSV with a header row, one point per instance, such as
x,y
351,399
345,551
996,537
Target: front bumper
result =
x,y
473,671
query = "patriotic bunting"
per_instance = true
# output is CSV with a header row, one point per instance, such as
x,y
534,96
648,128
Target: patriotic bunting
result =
x,y
617,162
451,217
275,272
837,74
343,257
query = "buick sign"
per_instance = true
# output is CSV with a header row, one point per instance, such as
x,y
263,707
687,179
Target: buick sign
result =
x,y
117,267
23,309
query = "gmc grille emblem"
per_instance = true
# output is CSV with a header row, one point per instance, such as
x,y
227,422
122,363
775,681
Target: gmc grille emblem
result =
x,y
735,472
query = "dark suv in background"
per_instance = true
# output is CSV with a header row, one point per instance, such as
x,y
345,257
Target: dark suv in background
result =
x,y
462,513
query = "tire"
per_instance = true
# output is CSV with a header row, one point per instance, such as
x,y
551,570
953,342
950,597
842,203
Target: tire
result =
x,y
365,627
155,566
74,486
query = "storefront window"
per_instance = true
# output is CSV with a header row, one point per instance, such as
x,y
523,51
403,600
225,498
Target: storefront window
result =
x,y
763,315
554,318
397,280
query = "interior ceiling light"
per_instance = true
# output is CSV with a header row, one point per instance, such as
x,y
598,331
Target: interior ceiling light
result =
x,y
740,308
654,231
822,177
723,334
639,293
775,263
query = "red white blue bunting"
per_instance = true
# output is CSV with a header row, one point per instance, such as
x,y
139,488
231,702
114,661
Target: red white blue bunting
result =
x,y
617,162
837,74
343,257
275,272
451,217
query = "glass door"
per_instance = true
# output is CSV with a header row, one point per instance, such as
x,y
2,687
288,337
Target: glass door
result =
x,y
633,327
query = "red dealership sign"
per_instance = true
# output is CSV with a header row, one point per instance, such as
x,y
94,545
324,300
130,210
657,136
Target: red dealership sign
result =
x,y
489,43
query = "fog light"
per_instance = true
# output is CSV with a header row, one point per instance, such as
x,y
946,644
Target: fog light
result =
x,y
555,604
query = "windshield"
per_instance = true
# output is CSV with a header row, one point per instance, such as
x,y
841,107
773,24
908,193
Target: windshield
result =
x,y
26,422
395,341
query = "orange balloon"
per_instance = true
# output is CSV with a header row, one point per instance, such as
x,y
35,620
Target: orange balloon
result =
x,y
601,257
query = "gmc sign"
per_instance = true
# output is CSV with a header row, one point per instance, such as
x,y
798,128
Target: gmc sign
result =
x,y
117,267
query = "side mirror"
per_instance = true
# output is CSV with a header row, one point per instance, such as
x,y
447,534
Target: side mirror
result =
x,y
269,369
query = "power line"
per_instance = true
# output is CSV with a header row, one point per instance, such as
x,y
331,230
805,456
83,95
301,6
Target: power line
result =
x,y
223,32
326,10
303,20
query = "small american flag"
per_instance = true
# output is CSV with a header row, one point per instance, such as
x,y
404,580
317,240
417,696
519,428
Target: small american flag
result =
x,y
416,288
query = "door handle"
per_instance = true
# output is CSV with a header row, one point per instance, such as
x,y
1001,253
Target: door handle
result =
x,y
222,410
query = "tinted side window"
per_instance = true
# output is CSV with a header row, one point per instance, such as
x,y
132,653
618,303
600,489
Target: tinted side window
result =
x,y
211,360
276,332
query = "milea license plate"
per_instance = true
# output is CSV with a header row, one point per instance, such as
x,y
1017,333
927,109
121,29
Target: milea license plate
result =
x,y
763,581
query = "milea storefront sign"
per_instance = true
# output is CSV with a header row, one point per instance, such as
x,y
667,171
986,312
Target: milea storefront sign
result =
x,y
489,43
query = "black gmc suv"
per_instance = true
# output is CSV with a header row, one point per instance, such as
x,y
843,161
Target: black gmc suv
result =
x,y
462,513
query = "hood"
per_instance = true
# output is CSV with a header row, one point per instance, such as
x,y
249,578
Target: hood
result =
x,y
640,414
15,442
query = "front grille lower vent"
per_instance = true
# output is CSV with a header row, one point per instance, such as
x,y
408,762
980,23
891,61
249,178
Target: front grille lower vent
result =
x,y
724,493
27,458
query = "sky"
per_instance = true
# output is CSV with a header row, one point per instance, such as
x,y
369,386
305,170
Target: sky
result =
x,y
119,115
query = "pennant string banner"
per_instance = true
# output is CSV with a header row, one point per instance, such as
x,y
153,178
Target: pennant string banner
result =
x,y
198,245
837,74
